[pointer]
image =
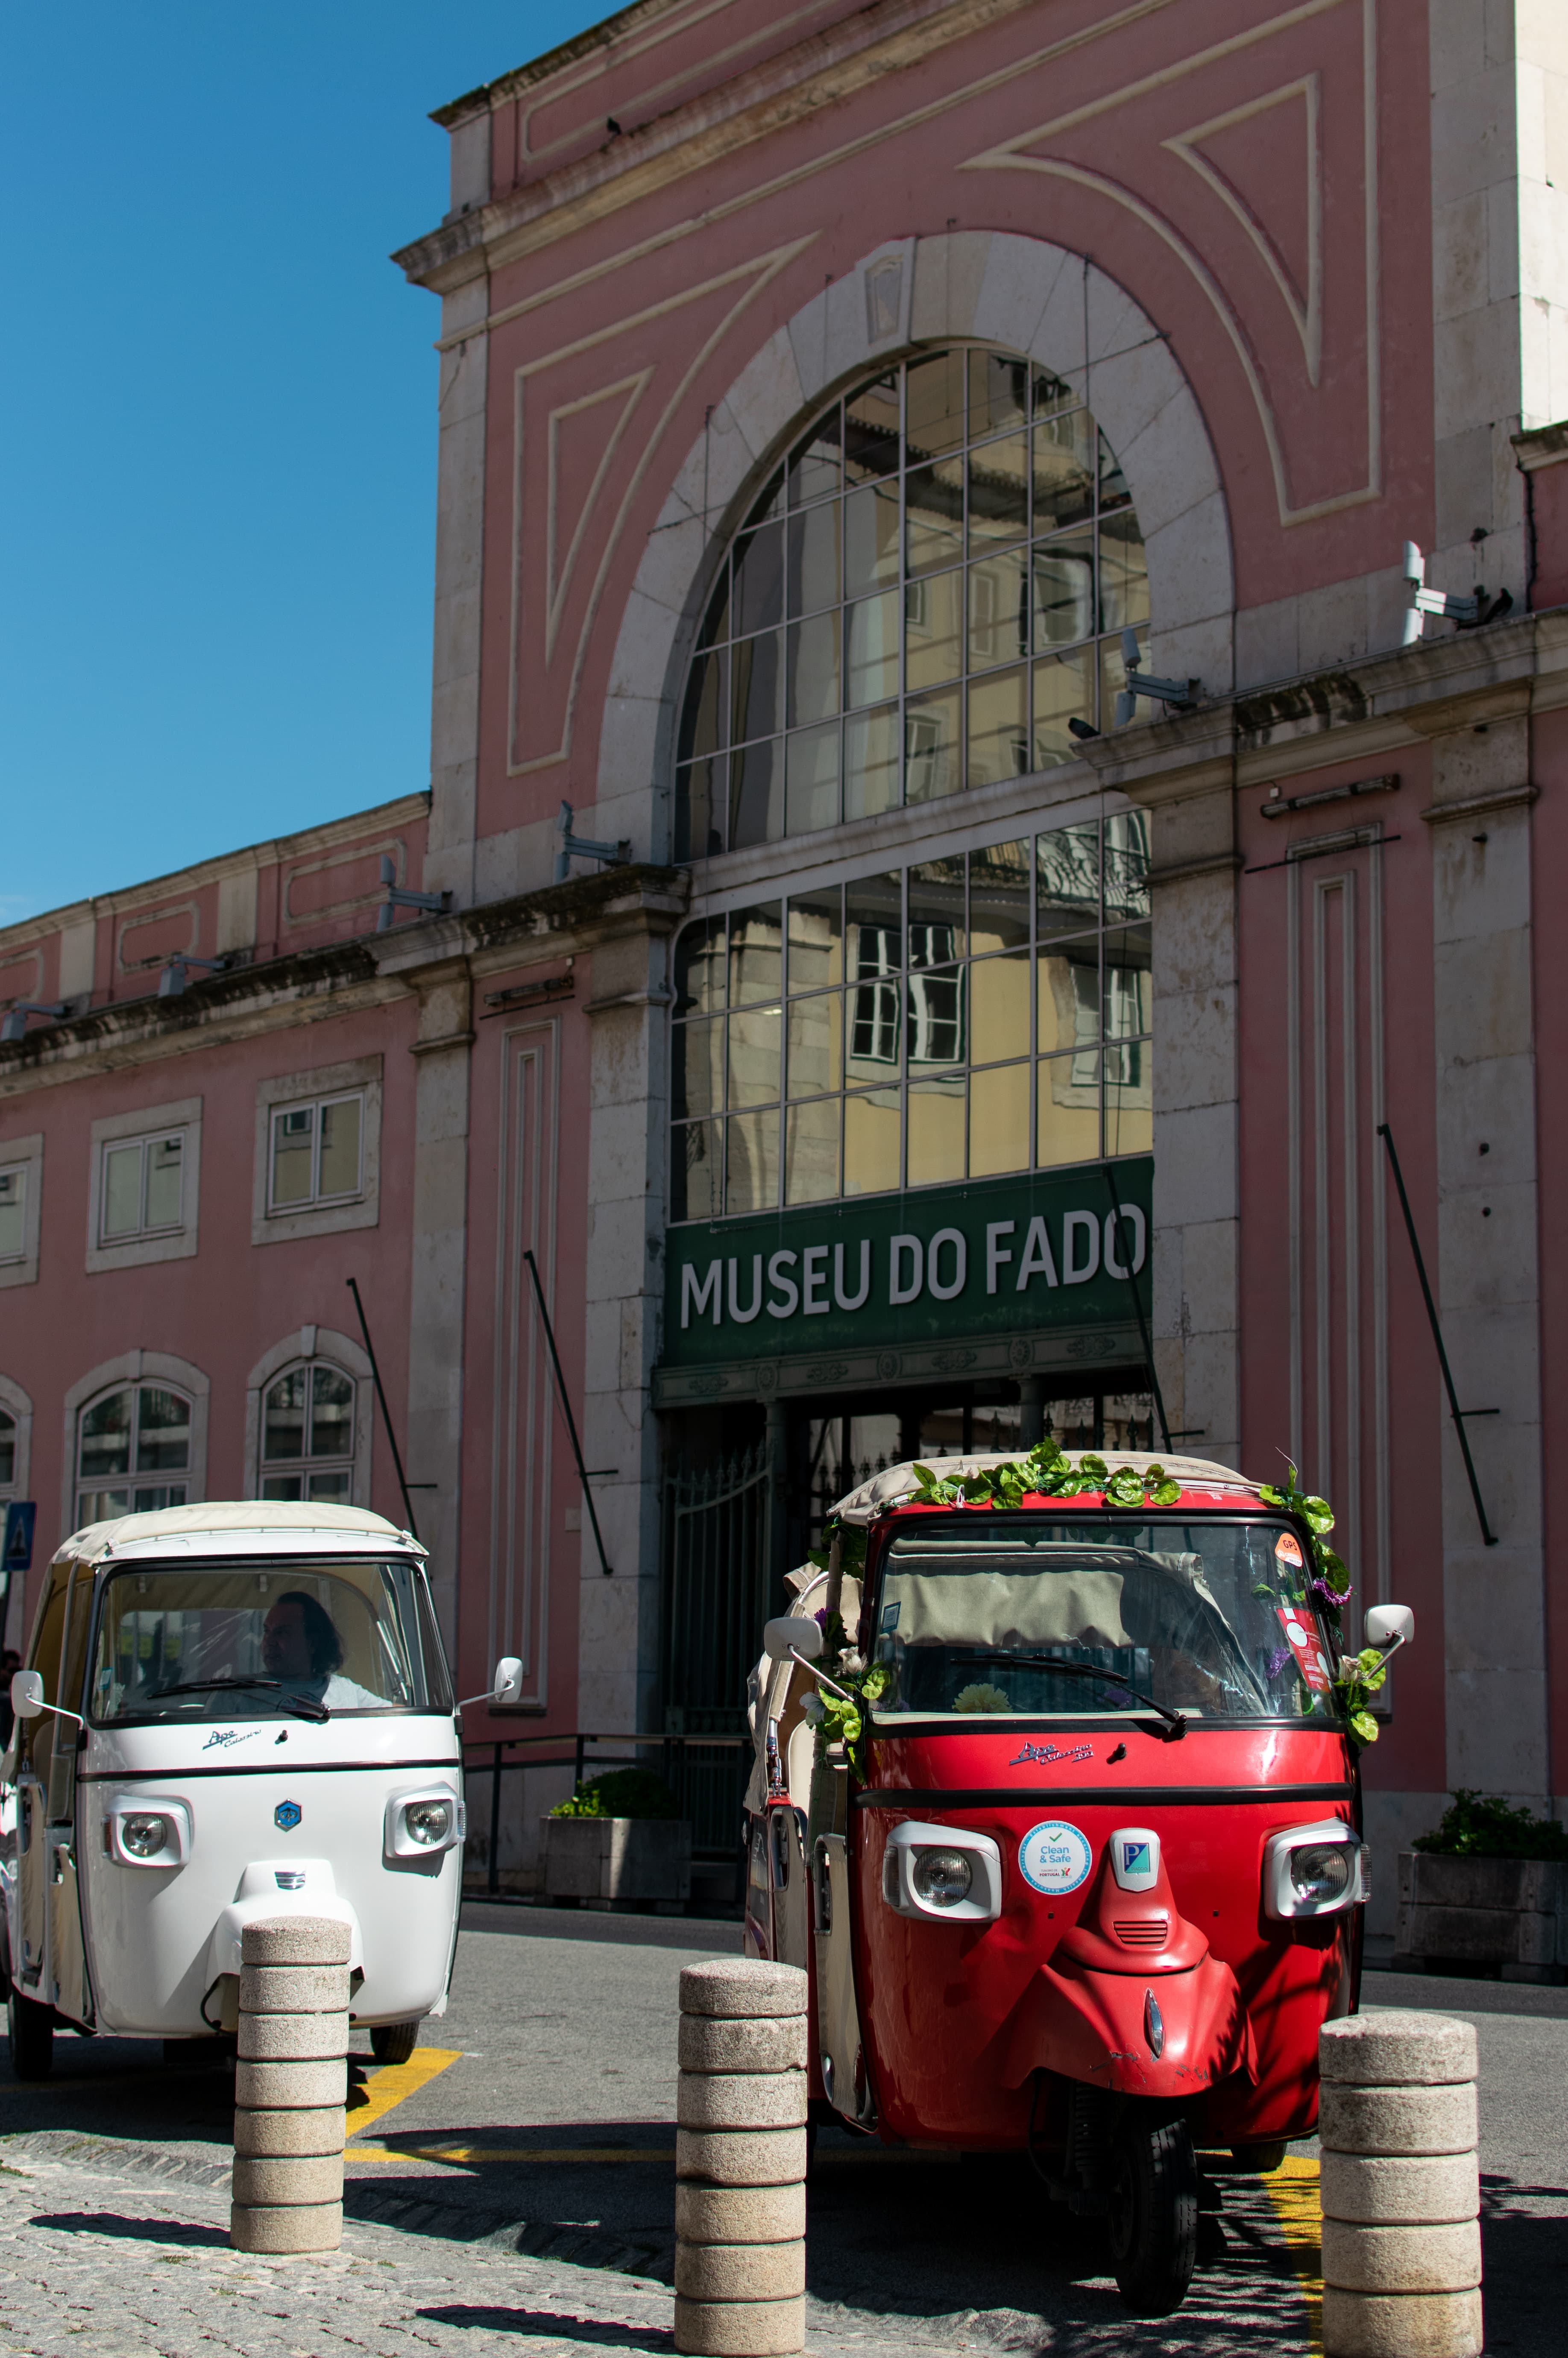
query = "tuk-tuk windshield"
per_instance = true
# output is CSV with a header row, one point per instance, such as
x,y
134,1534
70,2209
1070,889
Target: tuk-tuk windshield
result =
x,y
290,1637
996,1612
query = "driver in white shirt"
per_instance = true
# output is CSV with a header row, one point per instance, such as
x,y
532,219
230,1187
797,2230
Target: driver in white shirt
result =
x,y
301,1648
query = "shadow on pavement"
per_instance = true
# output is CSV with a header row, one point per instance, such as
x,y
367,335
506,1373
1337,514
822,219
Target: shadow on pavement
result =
x,y
1524,2261
544,2324
139,2231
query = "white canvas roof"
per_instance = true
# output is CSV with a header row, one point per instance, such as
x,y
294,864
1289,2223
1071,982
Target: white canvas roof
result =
x,y
240,1527
897,1483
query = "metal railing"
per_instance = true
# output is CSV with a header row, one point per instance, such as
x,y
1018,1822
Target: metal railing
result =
x,y
579,1760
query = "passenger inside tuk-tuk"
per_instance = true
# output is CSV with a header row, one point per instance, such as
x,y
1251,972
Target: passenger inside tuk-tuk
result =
x,y
979,1620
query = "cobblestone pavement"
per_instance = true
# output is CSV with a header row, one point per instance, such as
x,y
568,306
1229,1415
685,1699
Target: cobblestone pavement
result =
x,y
512,2190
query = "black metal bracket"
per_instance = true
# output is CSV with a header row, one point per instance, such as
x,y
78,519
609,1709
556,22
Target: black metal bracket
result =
x,y
1457,1413
1137,1307
386,1411
567,1410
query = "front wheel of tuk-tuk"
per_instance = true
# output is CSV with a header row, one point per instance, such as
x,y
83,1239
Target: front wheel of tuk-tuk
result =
x,y
393,2043
1152,2212
31,2029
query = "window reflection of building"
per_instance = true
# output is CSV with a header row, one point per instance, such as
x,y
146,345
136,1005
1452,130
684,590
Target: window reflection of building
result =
x,y
922,598
974,1015
132,1452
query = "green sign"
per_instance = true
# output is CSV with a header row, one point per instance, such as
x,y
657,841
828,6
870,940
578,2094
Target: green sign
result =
x,y
1054,1249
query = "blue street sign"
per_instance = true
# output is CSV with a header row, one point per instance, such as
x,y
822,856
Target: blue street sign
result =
x,y
17,1549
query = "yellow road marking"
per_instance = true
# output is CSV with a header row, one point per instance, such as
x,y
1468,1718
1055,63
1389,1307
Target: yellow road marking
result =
x,y
394,2083
1294,2191
468,2153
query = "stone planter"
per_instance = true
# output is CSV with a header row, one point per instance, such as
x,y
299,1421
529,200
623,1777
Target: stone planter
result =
x,y
617,1858
1490,1914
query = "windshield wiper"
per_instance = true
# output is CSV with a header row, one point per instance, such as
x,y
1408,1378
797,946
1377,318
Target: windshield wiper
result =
x,y
302,1707
1175,1721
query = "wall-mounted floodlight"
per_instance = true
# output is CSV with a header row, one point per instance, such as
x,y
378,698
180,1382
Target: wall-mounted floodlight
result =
x,y
171,982
1179,694
1469,614
397,898
583,847
15,1026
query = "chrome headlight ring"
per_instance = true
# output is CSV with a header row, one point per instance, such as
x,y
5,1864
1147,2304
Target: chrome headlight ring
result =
x,y
146,1830
421,1825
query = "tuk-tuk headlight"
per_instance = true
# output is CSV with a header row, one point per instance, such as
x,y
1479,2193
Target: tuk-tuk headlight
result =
x,y
942,1878
420,1827
1317,1870
945,1872
138,1835
428,1822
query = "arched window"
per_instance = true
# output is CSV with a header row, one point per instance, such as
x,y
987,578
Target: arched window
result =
x,y
132,1452
308,1434
7,1452
923,599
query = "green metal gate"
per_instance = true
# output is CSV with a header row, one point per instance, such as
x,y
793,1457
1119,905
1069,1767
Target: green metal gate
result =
x,y
715,1587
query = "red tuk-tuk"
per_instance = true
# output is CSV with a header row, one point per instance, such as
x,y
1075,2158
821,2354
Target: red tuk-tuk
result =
x,y
1056,1799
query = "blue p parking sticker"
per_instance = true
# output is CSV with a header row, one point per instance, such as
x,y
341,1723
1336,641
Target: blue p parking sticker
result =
x,y
1055,1857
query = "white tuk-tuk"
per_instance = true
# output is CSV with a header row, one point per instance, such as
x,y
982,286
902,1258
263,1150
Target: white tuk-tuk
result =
x,y
228,1711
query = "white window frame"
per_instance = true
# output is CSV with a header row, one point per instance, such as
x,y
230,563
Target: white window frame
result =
x,y
25,1155
317,1108
326,1085
146,1124
308,1344
134,1368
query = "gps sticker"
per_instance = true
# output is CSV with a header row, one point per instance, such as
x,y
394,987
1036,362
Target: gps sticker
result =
x,y
1054,1856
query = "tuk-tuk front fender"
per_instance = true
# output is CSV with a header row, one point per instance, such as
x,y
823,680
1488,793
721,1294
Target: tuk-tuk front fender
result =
x,y
311,1889
1103,2028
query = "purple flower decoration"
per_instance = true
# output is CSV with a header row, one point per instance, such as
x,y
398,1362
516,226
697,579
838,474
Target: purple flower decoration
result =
x,y
1320,1588
1277,1662
820,1616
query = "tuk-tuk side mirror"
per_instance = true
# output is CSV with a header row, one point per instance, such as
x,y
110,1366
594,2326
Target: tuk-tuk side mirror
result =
x,y
1389,1627
27,1693
788,1636
505,1685
27,1698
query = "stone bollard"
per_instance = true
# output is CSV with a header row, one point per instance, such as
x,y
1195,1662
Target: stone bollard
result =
x,y
740,2160
1402,2191
291,2086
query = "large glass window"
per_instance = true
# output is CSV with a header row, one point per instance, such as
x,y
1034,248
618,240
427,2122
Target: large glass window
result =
x,y
7,1452
252,1642
308,1434
316,1152
981,1013
923,597
133,1452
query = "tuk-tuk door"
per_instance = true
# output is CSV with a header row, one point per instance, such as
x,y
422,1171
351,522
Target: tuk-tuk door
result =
x,y
53,1965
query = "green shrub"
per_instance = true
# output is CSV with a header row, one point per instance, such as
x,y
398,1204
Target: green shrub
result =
x,y
1478,1825
621,1793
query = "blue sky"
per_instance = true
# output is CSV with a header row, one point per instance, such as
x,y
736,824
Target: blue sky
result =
x,y
217,418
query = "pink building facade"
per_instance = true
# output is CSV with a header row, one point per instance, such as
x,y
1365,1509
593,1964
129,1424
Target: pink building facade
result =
x,y
823,398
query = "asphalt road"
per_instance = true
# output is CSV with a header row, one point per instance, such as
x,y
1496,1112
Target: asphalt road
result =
x,y
530,2149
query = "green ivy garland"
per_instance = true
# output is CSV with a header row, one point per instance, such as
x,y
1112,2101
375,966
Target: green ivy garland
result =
x,y
1326,1585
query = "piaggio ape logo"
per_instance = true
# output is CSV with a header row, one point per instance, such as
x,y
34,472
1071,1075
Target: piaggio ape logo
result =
x,y
287,1815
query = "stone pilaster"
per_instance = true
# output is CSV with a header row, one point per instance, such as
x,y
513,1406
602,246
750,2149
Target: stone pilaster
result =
x,y
434,1445
628,1088
1488,1277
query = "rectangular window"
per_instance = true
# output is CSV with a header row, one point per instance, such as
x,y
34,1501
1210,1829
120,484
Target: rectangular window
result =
x,y
142,1188
971,1016
12,1213
316,1152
